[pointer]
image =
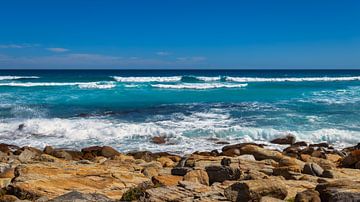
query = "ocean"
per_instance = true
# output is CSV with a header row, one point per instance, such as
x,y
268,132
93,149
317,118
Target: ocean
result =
x,y
193,109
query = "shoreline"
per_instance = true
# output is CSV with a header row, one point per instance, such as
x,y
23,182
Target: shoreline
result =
x,y
237,172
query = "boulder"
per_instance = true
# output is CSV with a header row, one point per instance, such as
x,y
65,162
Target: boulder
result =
x,y
8,148
254,190
180,171
260,153
144,155
289,139
62,154
150,172
339,190
199,176
48,150
313,169
80,197
166,180
26,156
109,152
158,140
307,196
350,160
300,144
222,173
166,162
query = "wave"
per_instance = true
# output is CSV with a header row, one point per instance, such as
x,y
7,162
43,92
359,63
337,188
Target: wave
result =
x,y
98,85
17,77
147,79
183,134
199,86
292,79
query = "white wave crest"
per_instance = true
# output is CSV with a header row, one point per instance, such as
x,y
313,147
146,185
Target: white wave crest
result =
x,y
208,79
199,86
17,77
292,79
147,79
99,85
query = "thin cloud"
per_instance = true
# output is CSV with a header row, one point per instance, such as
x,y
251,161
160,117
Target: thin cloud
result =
x,y
163,53
191,59
26,45
58,50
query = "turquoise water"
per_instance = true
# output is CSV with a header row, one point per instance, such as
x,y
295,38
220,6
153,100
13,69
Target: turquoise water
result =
x,y
126,108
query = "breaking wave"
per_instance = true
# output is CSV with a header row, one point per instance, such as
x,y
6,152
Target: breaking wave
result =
x,y
17,77
198,86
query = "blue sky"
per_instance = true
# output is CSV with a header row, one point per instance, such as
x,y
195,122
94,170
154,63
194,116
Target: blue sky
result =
x,y
126,34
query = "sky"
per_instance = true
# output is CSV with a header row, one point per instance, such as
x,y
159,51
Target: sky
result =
x,y
180,34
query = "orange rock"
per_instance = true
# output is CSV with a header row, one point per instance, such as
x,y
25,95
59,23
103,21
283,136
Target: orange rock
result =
x,y
167,180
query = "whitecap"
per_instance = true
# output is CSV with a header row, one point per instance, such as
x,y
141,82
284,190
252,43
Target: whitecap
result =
x,y
198,86
147,79
292,79
17,77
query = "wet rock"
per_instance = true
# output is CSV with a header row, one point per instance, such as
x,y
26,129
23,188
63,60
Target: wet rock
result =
x,y
199,176
7,148
80,197
254,190
339,190
319,154
289,139
158,140
322,144
357,165
166,180
222,142
222,173
300,144
180,171
313,169
307,196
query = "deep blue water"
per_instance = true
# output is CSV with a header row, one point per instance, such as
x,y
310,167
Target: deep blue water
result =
x,y
125,108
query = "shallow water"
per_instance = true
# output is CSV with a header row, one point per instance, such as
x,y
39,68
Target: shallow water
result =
x,y
126,108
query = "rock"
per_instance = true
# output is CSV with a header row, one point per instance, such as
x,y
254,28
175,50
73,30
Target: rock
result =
x,y
53,179
109,152
7,173
254,190
323,144
288,172
26,156
166,162
150,172
199,176
225,162
166,180
313,169
7,148
300,144
350,160
270,199
231,152
289,139
48,150
158,140
222,142
318,154
180,171
9,198
260,153
307,196
357,165
145,155
339,190
4,182
222,173
61,154
80,197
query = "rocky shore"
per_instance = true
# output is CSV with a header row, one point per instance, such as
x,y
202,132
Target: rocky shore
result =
x,y
239,172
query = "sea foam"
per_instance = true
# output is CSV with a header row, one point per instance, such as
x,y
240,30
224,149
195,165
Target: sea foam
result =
x,y
17,77
198,86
